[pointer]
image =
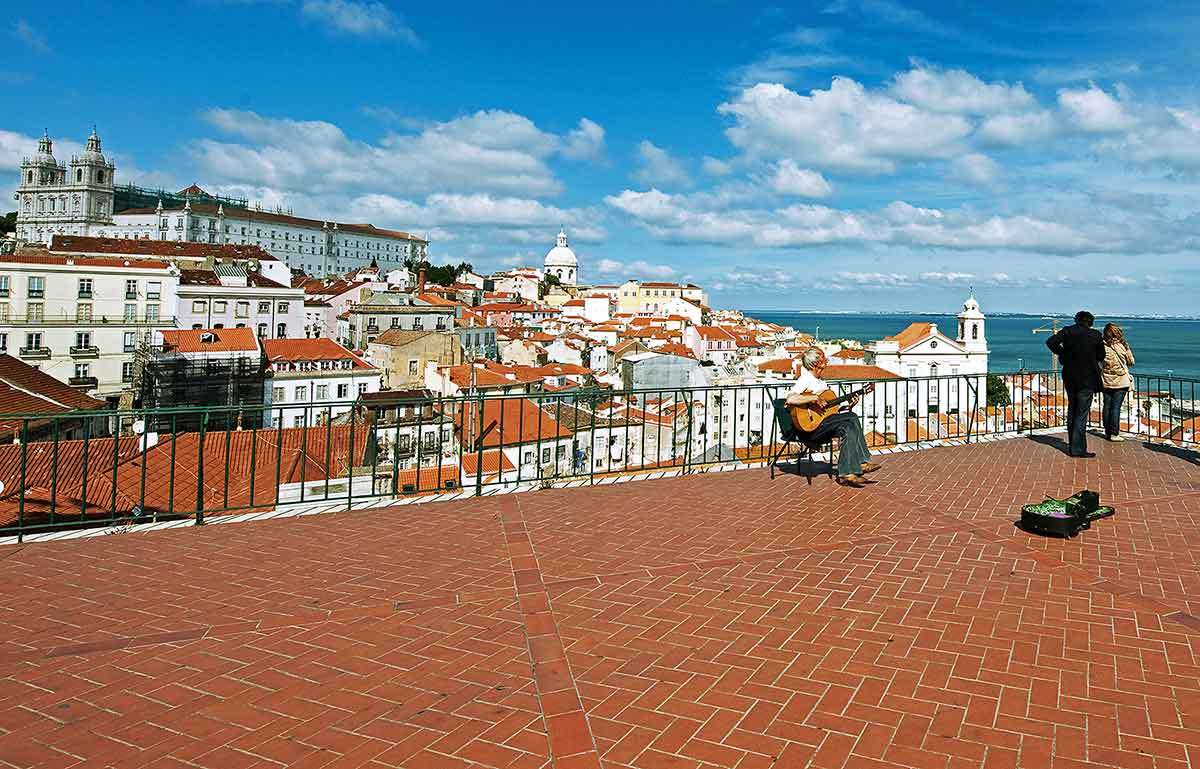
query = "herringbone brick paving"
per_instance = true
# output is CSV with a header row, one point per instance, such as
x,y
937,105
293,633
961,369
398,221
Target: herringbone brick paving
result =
x,y
713,621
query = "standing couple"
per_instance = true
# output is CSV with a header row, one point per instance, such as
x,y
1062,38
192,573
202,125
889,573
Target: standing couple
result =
x,y
1092,362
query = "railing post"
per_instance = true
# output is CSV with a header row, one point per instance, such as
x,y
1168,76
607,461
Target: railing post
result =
x,y
479,450
21,491
200,469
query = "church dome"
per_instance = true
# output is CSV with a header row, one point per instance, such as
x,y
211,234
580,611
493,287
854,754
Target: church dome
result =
x,y
561,255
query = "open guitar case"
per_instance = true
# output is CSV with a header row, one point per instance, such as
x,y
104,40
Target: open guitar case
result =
x,y
1064,517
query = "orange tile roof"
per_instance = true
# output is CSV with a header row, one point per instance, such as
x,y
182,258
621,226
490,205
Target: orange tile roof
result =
x,y
850,354
506,422
140,247
224,340
40,256
911,335
309,349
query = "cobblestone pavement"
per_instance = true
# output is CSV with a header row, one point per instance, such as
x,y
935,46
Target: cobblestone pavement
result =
x,y
721,620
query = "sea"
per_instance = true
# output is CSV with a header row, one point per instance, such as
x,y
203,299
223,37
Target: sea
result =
x,y
1161,346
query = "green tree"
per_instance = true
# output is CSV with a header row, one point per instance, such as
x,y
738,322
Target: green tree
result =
x,y
8,223
997,391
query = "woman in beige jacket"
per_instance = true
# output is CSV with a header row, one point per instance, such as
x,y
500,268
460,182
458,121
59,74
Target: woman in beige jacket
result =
x,y
1115,378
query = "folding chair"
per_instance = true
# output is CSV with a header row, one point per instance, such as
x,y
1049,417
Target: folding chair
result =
x,y
791,436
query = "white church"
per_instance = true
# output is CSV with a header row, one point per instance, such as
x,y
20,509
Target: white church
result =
x,y
561,261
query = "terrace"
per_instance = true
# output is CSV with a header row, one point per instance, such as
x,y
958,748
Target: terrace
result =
x,y
720,619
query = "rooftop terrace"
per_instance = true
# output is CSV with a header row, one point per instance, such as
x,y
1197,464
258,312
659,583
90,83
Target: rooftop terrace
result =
x,y
714,620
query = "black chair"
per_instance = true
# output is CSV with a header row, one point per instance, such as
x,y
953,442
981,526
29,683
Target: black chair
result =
x,y
790,437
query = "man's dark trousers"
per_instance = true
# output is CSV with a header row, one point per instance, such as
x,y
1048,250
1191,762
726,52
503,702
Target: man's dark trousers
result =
x,y
1079,407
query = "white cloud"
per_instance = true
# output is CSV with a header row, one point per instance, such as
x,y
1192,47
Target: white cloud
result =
x,y
846,127
789,179
360,18
638,268
958,91
1172,138
715,167
584,142
443,209
976,169
948,278
491,150
1085,72
1093,110
872,279
1017,129
658,167
1119,280
32,39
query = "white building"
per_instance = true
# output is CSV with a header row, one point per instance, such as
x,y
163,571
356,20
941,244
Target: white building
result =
x,y
956,369
232,296
525,282
80,319
78,199
316,380
711,343
54,199
561,261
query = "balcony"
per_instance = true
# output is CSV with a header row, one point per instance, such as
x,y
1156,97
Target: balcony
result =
x,y
34,353
85,293
755,614
86,382
85,351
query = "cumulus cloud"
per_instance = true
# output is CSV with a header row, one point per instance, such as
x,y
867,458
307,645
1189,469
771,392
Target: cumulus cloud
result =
x,y
363,19
958,91
845,127
1093,110
673,218
976,169
490,150
1017,128
638,268
789,179
584,142
444,209
659,167
1171,138
716,167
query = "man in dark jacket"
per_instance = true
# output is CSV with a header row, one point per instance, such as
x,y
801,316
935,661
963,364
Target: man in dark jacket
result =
x,y
1080,349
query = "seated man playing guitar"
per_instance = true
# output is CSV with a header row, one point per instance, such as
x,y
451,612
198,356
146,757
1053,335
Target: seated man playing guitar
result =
x,y
818,415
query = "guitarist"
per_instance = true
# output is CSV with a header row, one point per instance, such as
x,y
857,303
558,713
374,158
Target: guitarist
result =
x,y
854,458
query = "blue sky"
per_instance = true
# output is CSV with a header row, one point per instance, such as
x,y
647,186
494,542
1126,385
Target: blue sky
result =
x,y
843,154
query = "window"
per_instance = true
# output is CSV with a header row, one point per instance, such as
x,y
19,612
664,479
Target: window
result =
x,y
85,288
4,312
301,393
298,420
362,388
34,313
3,342
560,453
127,371
154,290
220,305
412,367
343,391
33,340
130,341
37,287
131,289
395,321
242,310
83,313
323,392
278,395
546,455
974,330
262,330
283,306
199,305
281,331
4,283
83,370
83,339
912,371
152,313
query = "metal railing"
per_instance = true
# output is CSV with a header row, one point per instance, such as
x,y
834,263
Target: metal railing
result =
x,y
102,468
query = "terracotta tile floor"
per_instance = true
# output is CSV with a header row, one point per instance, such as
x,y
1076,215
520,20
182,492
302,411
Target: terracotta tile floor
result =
x,y
723,620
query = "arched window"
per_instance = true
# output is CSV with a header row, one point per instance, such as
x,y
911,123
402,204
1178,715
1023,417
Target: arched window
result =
x,y
78,174
974,330
29,177
100,176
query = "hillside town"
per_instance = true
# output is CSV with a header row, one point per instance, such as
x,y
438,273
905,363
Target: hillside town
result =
x,y
273,320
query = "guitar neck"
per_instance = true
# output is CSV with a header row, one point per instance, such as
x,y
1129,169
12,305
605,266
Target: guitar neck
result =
x,y
843,398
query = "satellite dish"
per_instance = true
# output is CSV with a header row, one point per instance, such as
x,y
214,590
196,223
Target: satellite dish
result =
x,y
139,427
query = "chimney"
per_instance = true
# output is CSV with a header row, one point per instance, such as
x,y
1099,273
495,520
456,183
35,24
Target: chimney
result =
x,y
421,281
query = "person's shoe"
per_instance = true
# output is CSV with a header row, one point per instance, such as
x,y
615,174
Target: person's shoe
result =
x,y
871,467
853,481
1085,455
1116,439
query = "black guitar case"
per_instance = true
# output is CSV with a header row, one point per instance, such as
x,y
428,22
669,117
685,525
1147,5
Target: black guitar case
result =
x,y
1064,517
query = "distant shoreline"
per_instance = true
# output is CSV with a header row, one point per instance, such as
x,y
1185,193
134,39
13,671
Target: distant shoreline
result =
x,y
951,313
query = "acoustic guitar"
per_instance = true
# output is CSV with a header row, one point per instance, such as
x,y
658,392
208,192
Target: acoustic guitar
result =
x,y
809,417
